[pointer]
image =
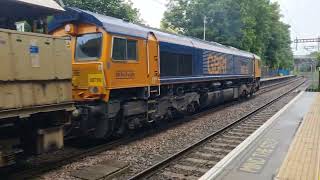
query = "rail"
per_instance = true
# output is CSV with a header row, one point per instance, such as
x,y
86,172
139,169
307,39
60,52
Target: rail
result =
x,y
73,156
161,165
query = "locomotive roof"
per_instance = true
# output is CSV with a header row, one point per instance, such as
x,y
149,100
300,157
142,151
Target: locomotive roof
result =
x,y
118,26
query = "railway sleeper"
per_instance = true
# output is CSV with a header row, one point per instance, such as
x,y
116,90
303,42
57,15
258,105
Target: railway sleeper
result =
x,y
220,150
235,136
250,126
223,145
191,168
240,132
186,170
174,175
195,164
230,140
254,124
200,161
216,155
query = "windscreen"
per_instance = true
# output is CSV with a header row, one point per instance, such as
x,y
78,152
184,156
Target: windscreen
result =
x,y
88,47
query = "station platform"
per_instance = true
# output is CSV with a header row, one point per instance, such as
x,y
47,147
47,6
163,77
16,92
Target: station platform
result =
x,y
286,147
276,78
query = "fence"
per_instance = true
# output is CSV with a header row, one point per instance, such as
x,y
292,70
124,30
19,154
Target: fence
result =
x,y
267,72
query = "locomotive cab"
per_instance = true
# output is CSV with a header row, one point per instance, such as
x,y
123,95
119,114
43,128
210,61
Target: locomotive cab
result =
x,y
89,82
108,70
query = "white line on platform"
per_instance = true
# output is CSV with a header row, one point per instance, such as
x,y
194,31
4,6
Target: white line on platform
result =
x,y
221,165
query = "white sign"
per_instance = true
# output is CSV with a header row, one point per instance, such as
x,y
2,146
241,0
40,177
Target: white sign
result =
x,y
34,54
20,26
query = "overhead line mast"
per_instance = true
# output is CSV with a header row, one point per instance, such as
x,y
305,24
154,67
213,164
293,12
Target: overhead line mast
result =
x,y
307,40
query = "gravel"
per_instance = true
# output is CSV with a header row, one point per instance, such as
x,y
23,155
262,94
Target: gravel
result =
x,y
148,151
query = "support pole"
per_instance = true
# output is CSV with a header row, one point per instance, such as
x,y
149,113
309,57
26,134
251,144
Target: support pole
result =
x,y
60,2
318,44
204,27
319,78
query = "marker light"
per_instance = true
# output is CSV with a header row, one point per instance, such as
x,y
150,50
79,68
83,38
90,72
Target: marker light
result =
x,y
70,29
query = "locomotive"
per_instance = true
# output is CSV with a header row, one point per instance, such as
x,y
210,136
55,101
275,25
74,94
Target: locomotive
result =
x,y
126,75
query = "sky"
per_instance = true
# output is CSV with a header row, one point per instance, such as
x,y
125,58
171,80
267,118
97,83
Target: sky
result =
x,y
302,15
151,10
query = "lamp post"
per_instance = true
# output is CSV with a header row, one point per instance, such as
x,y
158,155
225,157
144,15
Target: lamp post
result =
x,y
319,78
204,27
60,2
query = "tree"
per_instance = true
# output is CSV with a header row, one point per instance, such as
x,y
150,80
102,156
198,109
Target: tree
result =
x,y
186,17
115,8
316,54
251,25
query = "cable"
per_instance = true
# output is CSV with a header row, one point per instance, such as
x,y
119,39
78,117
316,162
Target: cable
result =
x,y
294,46
291,21
159,4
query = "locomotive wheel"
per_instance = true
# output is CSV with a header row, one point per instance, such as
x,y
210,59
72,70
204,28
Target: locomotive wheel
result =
x,y
244,95
121,127
192,108
251,92
196,106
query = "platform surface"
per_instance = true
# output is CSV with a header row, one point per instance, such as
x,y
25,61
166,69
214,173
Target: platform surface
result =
x,y
274,78
262,157
303,158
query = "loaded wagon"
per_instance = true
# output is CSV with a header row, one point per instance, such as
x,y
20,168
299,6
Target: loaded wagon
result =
x,y
35,80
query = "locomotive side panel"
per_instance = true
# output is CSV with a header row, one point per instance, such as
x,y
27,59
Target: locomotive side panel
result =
x,y
215,63
177,60
257,66
127,64
243,65
153,60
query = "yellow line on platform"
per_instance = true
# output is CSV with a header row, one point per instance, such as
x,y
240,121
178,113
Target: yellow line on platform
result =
x,y
303,159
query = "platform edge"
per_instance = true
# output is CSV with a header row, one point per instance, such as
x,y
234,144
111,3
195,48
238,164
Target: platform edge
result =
x,y
221,165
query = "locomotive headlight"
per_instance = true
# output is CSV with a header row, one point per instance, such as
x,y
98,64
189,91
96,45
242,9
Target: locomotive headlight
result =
x,y
94,90
70,29
67,28
76,113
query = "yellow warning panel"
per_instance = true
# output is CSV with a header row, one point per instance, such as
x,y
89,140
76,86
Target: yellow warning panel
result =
x,y
303,159
95,80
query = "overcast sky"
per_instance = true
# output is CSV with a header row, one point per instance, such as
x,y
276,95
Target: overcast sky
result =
x,y
302,15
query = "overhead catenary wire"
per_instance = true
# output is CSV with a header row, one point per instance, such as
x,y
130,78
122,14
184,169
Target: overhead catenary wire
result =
x,y
291,23
159,4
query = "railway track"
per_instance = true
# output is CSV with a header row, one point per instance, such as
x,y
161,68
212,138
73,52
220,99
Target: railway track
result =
x,y
197,159
72,154
270,87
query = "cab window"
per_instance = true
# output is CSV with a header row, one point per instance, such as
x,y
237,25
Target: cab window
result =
x,y
124,49
88,47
